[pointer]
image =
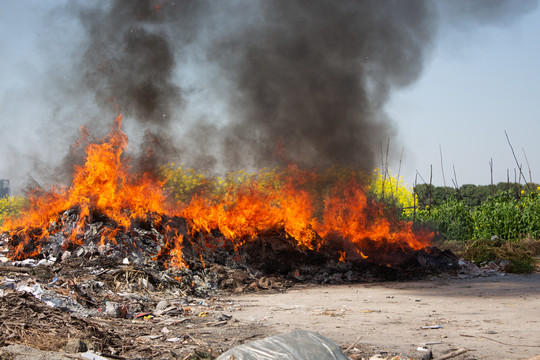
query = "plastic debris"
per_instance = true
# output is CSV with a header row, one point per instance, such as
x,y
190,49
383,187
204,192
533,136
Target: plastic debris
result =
x,y
91,356
296,345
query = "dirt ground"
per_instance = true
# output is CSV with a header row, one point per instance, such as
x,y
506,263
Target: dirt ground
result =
x,y
495,317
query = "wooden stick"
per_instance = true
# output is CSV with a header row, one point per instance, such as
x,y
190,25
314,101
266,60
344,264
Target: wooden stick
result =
x,y
528,165
517,162
497,341
491,171
452,354
9,268
352,345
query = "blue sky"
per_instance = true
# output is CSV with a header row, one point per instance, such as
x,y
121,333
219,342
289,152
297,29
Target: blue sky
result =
x,y
477,84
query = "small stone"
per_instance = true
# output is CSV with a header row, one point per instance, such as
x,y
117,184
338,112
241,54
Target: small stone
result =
x,y
75,346
238,290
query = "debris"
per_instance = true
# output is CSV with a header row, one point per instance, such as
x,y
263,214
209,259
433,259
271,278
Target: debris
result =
x,y
452,354
431,327
468,269
115,310
91,356
76,345
347,350
296,345
223,317
9,268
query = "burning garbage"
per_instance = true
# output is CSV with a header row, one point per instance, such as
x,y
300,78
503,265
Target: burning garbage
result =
x,y
108,209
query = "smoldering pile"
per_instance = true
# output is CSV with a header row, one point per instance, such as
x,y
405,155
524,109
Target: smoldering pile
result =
x,y
209,261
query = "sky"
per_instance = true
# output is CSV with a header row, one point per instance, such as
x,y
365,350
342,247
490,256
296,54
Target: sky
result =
x,y
477,83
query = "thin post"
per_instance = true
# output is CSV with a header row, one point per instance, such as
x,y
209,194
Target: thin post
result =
x,y
456,182
515,158
528,165
507,182
399,171
430,180
414,197
442,170
491,172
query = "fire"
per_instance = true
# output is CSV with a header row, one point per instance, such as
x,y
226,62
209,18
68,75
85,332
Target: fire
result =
x,y
305,205
102,185
345,212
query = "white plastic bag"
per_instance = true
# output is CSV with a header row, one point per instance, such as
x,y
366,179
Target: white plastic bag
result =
x,y
296,345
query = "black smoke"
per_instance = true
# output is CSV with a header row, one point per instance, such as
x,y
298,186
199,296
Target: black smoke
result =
x,y
311,77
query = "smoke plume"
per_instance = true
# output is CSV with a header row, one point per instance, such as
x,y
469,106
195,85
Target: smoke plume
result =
x,y
252,83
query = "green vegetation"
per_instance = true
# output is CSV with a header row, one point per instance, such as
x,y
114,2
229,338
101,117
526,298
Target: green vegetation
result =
x,y
474,215
509,215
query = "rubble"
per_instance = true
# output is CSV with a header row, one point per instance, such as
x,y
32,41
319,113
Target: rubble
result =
x,y
123,299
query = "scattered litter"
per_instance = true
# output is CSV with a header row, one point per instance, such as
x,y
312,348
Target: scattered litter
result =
x,y
452,354
431,327
92,356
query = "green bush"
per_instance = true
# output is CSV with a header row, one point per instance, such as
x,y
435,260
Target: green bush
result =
x,y
452,219
507,216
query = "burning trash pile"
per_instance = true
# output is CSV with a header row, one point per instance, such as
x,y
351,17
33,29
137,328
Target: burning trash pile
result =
x,y
267,226
114,244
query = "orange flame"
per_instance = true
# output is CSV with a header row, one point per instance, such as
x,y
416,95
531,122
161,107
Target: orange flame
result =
x,y
102,184
256,207
303,204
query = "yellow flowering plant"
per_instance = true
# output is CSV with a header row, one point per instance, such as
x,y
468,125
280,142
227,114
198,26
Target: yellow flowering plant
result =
x,y
11,206
392,190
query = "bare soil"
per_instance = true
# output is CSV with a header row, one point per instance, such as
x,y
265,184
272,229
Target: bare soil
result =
x,y
495,317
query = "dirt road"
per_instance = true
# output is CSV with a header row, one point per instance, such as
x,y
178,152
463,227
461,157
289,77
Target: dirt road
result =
x,y
495,317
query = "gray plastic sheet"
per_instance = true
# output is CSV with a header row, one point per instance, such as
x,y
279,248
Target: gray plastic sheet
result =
x,y
296,345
